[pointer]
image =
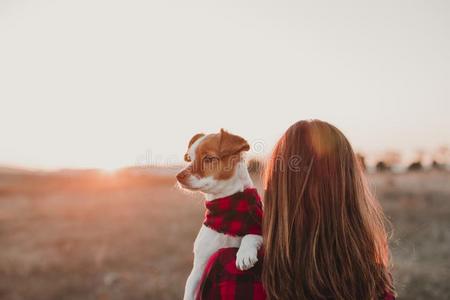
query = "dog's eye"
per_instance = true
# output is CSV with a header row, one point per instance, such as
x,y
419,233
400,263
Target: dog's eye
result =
x,y
209,159
187,157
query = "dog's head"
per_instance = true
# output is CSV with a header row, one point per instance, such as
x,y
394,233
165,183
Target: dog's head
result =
x,y
212,158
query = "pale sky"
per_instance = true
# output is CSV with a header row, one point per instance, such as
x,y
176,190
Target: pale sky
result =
x,y
101,83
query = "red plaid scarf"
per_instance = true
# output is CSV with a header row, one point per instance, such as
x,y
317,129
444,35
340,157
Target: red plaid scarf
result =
x,y
236,215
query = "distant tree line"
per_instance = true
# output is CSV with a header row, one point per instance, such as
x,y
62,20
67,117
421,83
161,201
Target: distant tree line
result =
x,y
440,160
387,162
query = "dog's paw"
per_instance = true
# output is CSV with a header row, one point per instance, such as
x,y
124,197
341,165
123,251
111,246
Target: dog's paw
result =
x,y
246,258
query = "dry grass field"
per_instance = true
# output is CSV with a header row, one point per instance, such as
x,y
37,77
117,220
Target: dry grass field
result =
x,y
92,235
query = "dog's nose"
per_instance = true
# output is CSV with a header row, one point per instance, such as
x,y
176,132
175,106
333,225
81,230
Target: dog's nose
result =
x,y
182,176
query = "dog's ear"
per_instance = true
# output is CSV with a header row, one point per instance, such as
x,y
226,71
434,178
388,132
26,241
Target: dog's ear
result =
x,y
230,144
192,141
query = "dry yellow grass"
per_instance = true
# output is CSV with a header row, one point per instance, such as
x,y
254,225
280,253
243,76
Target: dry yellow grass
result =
x,y
129,236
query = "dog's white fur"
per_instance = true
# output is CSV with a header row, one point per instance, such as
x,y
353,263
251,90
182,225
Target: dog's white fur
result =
x,y
208,240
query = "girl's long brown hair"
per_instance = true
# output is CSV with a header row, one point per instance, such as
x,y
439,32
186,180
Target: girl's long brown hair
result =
x,y
324,232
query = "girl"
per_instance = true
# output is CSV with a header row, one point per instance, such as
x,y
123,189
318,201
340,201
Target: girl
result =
x,y
324,232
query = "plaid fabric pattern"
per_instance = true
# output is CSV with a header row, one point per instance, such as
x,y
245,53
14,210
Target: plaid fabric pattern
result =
x,y
222,280
236,215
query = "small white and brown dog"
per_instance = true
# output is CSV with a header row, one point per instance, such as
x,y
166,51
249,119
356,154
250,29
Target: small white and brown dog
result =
x,y
217,169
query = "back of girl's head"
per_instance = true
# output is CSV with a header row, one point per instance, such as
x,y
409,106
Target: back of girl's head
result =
x,y
324,233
